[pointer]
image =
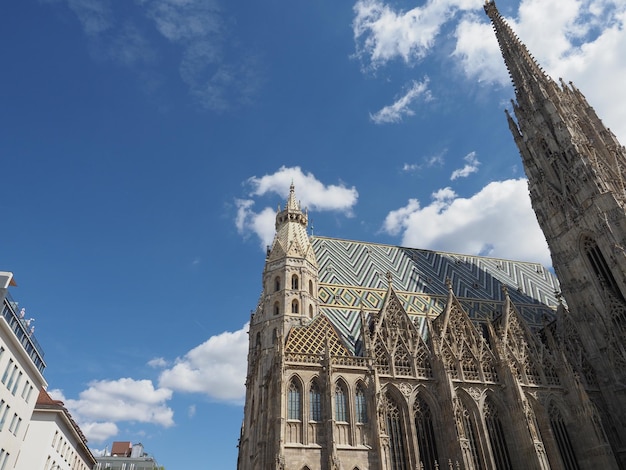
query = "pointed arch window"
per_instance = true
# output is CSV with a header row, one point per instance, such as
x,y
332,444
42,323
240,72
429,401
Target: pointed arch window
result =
x,y
310,288
294,282
425,433
360,404
562,438
315,402
470,434
497,438
276,284
276,308
402,360
600,266
341,410
294,400
294,306
310,311
397,447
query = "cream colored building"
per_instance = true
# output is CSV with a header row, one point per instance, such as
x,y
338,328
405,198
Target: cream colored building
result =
x,y
53,440
366,356
21,369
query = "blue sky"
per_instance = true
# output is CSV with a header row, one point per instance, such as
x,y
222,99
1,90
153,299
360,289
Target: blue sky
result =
x,y
145,146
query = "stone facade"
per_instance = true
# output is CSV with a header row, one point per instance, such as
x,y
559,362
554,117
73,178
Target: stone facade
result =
x,y
366,356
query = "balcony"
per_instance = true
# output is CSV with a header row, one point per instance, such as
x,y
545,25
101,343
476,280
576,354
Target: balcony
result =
x,y
24,332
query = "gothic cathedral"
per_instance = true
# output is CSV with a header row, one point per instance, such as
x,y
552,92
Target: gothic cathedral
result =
x,y
365,356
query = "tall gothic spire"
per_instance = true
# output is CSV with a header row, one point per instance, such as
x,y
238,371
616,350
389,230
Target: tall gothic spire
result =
x,y
527,76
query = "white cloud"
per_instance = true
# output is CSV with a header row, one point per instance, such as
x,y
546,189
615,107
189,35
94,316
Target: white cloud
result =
x,y
216,368
125,399
311,192
497,221
157,362
470,167
99,432
586,42
382,33
401,107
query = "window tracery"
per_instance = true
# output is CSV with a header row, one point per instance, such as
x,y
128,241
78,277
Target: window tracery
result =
x,y
425,433
497,439
341,410
315,402
360,404
561,435
397,446
294,400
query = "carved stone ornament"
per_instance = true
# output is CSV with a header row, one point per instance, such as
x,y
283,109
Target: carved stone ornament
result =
x,y
406,389
475,393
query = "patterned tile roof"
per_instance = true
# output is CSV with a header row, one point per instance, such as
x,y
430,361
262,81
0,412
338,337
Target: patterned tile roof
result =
x,y
352,275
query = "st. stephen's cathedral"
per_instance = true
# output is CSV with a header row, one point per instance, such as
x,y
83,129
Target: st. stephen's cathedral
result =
x,y
373,357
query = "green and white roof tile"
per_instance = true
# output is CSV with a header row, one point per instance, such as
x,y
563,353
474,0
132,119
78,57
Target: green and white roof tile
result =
x,y
352,276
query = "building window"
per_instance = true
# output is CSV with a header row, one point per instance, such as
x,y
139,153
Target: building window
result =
x,y
3,416
360,404
4,457
17,383
469,434
425,433
315,402
8,369
497,440
277,284
341,412
294,282
600,266
311,288
276,309
294,306
294,401
562,438
397,448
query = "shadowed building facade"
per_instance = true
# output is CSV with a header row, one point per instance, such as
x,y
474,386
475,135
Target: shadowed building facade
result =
x,y
367,356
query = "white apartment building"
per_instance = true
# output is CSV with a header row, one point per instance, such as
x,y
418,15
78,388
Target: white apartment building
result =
x,y
21,374
53,440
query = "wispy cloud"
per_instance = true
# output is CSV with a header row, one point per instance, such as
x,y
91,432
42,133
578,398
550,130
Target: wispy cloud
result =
x,y
481,224
312,193
427,162
471,166
219,74
401,107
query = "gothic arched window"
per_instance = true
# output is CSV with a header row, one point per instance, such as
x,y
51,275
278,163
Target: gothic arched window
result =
x,y
600,266
470,434
360,404
562,438
315,402
294,306
310,311
311,288
341,410
277,284
497,440
425,433
276,308
294,282
397,448
294,400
